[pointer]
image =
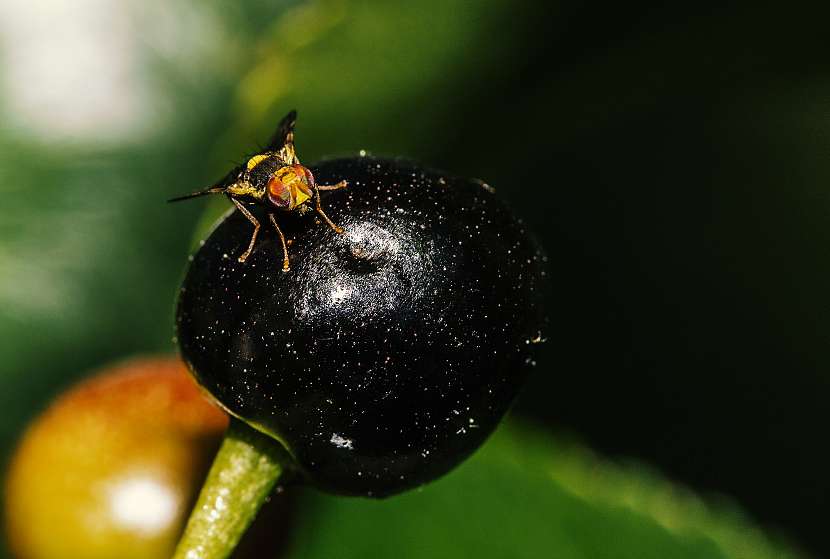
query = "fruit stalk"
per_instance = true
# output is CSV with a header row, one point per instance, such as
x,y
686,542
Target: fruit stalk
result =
x,y
242,476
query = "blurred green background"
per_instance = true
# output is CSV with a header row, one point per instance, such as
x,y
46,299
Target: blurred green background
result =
x,y
672,159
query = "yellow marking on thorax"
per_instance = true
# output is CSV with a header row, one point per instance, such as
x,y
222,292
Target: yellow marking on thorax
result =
x,y
255,160
245,189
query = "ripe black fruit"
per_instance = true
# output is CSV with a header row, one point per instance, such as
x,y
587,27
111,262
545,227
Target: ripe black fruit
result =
x,y
388,353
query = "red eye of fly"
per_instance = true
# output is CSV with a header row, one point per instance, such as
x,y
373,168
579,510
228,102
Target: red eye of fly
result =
x,y
278,193
303,171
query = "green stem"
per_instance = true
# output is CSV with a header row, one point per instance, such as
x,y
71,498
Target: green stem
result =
x,y
242,476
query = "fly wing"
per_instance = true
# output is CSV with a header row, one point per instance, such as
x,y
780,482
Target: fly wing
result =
x,y
283,140
230,178
217,188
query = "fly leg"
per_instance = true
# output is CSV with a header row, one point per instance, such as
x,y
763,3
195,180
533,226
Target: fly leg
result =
x,y
339,185
253,220
282,239
320,211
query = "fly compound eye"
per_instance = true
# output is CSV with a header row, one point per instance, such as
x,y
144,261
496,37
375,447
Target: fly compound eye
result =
x,y
304,173
279,194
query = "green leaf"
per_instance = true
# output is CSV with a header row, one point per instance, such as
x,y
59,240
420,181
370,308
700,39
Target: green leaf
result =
x,y
526,495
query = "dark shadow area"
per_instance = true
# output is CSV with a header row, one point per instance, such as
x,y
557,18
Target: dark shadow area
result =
x,y
675,166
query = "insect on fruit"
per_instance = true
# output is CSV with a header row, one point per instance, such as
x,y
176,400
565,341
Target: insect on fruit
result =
x,y
276,180
384,362
418,329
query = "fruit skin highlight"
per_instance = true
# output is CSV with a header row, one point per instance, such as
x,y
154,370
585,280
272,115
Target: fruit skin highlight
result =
x,y
387,354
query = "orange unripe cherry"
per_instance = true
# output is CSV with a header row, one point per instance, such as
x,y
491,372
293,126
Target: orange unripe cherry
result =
x,y
111,468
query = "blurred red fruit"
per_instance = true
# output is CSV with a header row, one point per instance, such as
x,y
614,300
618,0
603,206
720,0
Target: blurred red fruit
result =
x,y
111,468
